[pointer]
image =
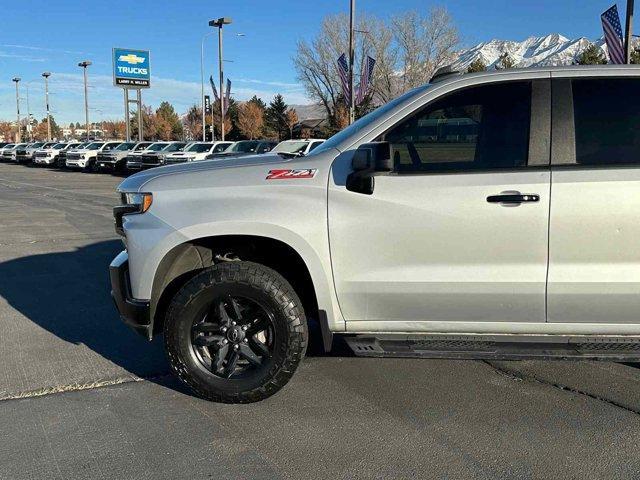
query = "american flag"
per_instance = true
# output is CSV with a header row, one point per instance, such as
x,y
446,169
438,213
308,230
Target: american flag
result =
x,y
343,70
613,35
365,79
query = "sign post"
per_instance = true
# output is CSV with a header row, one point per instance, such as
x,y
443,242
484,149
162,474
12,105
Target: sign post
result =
x,y
131,70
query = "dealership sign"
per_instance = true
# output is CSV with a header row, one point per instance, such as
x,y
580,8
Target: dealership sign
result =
x,y
131,68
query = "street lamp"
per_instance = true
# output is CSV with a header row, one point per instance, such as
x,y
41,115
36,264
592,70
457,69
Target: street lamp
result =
x,y
46,76
219,24
84,65
17,80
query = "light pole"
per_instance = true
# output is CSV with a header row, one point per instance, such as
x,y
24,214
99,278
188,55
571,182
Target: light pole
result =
x,y
219,23
84,65
28,125
46,76
17,80
352,100
202,84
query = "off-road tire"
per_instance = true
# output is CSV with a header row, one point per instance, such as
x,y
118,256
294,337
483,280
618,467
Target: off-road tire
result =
x,y
233,277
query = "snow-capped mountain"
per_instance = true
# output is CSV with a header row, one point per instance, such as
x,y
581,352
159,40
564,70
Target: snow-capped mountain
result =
x,y
553,49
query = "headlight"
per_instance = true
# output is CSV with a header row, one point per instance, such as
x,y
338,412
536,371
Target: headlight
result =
x,y
140,201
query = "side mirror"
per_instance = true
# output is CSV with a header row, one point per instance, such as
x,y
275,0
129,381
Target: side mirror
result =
x,y
368,160
372,157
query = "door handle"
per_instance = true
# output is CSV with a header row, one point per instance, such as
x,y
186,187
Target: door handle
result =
x,y
513,198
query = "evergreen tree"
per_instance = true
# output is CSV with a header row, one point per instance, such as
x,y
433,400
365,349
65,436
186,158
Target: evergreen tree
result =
x,y
169,121
477,66
591,56
276,118
78,125
505,61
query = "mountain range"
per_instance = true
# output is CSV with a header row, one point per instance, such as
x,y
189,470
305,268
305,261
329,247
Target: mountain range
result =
x,y
550,50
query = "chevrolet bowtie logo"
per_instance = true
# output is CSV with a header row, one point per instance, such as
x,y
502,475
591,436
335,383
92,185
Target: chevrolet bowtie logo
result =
x,y
131,58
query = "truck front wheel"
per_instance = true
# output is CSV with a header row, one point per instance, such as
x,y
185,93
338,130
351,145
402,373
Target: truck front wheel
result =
x,y
236,332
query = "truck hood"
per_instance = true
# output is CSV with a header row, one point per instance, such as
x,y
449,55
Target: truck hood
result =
x,y
134,182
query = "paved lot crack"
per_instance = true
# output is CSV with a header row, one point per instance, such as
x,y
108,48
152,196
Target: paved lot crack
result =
x,y
519,377
58,389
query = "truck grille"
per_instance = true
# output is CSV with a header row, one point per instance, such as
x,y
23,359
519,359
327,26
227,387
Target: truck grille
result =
x,y
150,159
41,154
73,156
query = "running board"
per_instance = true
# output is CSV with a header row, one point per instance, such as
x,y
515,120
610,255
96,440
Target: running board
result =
x,y
497,347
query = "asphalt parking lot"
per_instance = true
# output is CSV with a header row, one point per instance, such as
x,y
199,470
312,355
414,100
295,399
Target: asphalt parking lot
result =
x,y
83,397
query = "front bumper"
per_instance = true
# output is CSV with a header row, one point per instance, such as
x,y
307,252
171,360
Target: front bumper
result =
x,y
134,313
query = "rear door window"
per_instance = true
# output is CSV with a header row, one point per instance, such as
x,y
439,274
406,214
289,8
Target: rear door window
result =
x,y
607,121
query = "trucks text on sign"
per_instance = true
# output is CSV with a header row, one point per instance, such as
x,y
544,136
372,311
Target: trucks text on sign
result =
x,y
131,68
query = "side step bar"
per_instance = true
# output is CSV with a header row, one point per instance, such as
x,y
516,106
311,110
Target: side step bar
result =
x,y
497,347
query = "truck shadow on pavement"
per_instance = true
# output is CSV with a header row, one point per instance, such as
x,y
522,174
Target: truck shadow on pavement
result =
x,y
68,295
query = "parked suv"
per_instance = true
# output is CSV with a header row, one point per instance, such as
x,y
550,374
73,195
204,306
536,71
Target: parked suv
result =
x,y
134,159
456,221
196,151
85,158
298,148
115,159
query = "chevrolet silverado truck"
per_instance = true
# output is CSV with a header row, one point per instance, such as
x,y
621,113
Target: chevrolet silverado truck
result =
x,y
196,152
10,154
85,158
244,148
298,148
490,215
49,154
25,154
61,161
115,160
154,156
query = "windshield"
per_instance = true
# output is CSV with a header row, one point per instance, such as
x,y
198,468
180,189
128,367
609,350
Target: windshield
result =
x,y
142,146
94,146
244,146
48,145
124,146
291,147
59,146
199,147
368,119
11,145
175,147
110,146
37,145
156,147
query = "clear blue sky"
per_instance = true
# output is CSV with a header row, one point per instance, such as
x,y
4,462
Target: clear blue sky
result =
x,y
39,35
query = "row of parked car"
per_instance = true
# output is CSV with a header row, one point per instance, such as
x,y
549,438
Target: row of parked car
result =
x,y
120,157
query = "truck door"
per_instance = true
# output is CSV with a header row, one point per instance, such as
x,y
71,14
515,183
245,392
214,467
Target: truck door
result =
x,y
458,232
594,245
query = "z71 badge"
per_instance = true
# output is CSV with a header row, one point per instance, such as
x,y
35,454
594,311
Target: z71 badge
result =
x,y
288,174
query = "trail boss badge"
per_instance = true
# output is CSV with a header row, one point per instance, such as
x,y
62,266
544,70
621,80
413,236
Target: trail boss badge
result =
x,y
289,174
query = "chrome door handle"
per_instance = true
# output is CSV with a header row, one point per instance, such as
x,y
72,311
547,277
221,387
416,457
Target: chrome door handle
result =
x,y
513,198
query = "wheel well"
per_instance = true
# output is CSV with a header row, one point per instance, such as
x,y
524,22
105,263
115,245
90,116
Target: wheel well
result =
x,y
186,260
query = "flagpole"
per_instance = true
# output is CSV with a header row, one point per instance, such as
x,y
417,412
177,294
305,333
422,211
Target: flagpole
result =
x,y
352,104
628,32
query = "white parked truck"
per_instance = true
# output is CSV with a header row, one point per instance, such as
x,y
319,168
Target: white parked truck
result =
x,y
196,151
488,215
85,158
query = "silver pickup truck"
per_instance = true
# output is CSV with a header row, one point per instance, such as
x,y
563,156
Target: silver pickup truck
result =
x,y
488,215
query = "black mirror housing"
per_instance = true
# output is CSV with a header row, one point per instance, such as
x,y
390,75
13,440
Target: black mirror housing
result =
x,y
369,159
373,157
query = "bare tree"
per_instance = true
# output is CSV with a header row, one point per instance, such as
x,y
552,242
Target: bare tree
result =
x,y
250,120
425,43
407,50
